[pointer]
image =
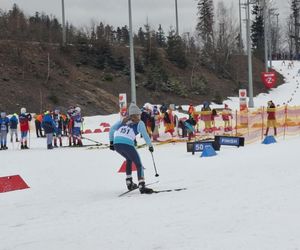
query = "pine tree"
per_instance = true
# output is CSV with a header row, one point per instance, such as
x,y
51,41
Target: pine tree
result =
x,y
141,37
125,35
119,35
257,31
176,50
160,37
205,27
17,24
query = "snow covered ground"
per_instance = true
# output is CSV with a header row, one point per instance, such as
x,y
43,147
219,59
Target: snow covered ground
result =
x,y
243,198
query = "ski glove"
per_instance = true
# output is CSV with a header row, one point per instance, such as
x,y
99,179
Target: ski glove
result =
x,y
111,145
151,149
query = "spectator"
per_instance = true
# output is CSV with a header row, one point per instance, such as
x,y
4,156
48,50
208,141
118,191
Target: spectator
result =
x,y
13,126
271,111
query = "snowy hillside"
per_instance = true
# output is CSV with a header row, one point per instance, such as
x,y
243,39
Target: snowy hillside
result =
x,y
288,93
243,198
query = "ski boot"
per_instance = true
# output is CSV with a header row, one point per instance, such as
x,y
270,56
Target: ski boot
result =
x,y
143,189
79,143
130,184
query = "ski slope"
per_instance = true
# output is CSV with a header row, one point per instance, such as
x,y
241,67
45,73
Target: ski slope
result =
x,y
287,93
243,198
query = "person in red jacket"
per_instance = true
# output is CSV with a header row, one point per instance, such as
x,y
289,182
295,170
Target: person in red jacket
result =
x,y
24,120
271,118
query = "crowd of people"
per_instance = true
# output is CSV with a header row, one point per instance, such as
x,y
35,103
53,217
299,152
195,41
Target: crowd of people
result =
x,y
152,117
50,124
55,124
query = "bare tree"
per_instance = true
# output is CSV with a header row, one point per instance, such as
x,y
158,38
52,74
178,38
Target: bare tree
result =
x,y
226,32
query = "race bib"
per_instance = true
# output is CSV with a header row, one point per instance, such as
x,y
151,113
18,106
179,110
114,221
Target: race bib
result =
x,y
77,124
126,132
3,127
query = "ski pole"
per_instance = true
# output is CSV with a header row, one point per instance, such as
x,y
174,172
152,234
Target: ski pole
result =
x,y
100,143
156,174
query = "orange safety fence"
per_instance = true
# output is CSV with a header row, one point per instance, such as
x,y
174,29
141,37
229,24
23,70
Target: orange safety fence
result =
x,y
252,123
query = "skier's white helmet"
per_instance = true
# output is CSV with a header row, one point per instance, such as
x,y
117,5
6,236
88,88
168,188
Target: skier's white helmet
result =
x,y
23,110
77,109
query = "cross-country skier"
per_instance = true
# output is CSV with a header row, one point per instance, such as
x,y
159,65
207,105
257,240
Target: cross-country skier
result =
x,y
58,127
13,127
122,135
4,123
70,124
77,122
49,126
24,120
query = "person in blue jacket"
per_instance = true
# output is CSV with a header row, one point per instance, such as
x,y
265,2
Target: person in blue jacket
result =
x,y
13,127
77,124
122,136
4,123
48,125
58,120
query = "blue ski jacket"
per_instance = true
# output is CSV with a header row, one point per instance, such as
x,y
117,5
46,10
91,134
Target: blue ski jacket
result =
x,y
125,133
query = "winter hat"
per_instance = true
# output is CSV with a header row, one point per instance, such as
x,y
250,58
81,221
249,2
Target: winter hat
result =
x,y
23,110
134,110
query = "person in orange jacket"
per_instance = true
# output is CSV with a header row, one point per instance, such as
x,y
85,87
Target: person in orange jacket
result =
x,y
38,125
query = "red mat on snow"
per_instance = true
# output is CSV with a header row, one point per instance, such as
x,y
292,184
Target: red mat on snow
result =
x,y
12,183
123,167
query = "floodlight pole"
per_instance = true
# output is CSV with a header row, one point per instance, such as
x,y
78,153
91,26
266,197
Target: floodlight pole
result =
x,y
249,52
265,36
270,39
176,12
132,68
64,37
240,18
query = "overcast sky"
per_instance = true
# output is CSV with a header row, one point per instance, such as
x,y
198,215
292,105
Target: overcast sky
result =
x,y
115,12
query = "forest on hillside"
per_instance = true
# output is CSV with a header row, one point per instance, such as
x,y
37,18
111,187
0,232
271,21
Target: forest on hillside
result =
x,y
215,48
